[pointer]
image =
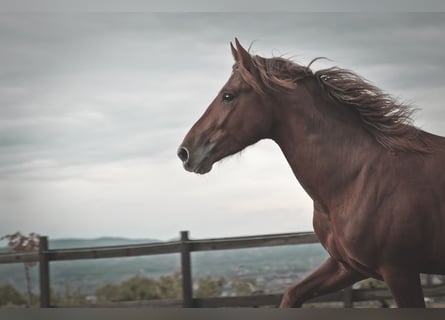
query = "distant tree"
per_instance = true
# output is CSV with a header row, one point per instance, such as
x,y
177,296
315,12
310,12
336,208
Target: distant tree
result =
x,y
68,297
210,287
166,287
170,287
139,288
10,296
18,242
108,292
244,287
370,283
132,289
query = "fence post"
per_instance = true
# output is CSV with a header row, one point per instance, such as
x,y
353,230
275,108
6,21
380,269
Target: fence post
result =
x,y
347,298
44,273
186,268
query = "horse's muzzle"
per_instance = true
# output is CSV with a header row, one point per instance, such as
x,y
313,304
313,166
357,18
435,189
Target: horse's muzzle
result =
x,y
198,161
183,154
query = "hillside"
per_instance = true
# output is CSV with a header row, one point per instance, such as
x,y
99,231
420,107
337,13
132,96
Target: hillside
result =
x,y
272,267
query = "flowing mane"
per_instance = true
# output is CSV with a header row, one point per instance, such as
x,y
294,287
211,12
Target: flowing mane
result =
x,y
388,120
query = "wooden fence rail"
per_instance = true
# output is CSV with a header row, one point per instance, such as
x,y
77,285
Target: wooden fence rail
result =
x,y
165,247
185,246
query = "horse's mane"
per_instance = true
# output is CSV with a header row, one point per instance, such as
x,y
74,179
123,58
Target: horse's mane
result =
x,y
388,120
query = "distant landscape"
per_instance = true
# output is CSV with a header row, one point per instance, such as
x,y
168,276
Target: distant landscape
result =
x,y
272,268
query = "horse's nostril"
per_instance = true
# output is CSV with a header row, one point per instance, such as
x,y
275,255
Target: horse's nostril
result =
x,y
183,154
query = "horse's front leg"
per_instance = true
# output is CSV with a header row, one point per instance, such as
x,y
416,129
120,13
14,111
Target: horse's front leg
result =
x,y
331,276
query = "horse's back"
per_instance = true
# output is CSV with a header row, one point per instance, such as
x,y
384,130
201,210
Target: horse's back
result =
x,y
434,162
431,198
436,142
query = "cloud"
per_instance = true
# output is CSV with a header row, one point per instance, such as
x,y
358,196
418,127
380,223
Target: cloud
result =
x,y
93,107
153,198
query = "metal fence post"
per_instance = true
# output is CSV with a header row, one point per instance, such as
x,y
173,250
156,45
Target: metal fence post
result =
x,y
44,273
186,269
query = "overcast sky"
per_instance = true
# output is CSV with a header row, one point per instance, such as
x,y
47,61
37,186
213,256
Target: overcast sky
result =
x,y
94,106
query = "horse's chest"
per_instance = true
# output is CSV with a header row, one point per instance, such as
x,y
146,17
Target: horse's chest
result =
x,y
334,236
327,235
341,245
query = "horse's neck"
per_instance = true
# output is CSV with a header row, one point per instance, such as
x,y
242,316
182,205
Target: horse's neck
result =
x,y
325,148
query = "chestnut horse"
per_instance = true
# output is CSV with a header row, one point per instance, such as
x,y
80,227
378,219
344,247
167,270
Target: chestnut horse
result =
x,y
377,182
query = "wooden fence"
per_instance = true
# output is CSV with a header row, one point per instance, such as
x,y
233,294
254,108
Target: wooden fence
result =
x,y
185,247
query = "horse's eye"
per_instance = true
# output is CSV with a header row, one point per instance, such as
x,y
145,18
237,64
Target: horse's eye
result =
x,y
227,97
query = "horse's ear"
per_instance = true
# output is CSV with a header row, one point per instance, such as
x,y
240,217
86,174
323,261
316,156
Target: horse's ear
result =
x,y
244,56
234,52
